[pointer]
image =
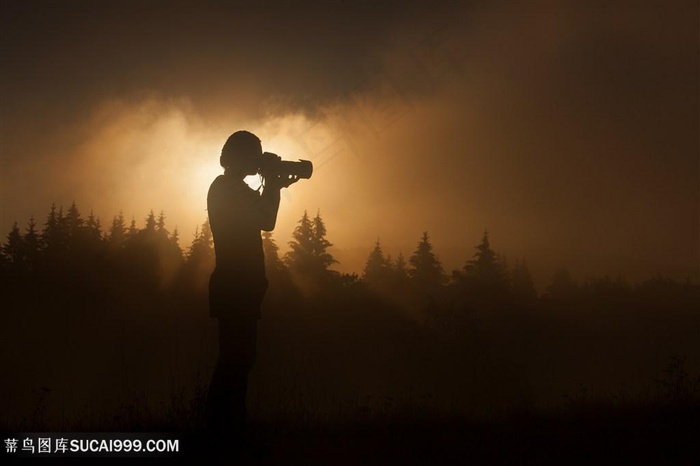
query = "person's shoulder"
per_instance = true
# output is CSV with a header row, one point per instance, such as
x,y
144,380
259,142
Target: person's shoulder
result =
x,y
228,186
216,185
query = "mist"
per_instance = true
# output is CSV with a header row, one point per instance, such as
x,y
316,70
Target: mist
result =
x,y
568,132
499,257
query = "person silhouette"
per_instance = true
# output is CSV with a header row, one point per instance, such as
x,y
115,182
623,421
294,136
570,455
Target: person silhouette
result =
x,y
237,214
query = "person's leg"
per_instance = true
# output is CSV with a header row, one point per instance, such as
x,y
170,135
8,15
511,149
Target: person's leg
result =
x,y
226,402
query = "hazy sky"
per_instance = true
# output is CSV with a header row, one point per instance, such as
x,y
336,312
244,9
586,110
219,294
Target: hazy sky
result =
x,y
569,131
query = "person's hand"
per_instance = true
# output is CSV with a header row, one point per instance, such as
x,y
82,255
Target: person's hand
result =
x,y
275,181
282,181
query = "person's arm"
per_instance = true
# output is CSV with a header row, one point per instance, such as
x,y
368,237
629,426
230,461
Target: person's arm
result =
x,y
269,206
270,199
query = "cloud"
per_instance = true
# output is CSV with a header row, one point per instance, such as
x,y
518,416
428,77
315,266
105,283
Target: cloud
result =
x,y
558,126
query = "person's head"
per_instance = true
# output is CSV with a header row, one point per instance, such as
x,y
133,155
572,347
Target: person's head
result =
x,y
241,154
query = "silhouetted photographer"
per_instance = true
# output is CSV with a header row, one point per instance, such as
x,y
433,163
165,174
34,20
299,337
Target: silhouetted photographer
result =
x,y
237,214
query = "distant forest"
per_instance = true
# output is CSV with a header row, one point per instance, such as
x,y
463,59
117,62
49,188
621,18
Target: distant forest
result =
x,y
118,315
70,246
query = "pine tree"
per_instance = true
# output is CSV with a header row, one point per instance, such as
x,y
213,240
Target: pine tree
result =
x,y
161,239
74,225
321,244
152,256
14,249
377,268
73,217
32,244
273,263
160,225
4,263
54,239
50,227
199,260
486,269
521,282
174,247
300,257
52,236
400,269
151,222
85,243
117,232
426,270
141,254
207,237
92,234
175,238
168,252
202,248
562,286
308,255
94,226
132,231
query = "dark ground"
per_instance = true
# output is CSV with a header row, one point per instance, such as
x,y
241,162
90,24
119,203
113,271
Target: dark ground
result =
x,y
593,435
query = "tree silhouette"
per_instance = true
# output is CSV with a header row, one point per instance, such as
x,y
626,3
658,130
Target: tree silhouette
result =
x,y
87,244
606,288
274,267
377,268
150,223
170,258
160,224
54,238
308,258
321,244
132,231
426,271
93,229
562,285
300,258
32,245
486,269
151,254
199,259
166,242
522,284
483,281
116,236
94,226
175,239
14,249
399,271
74,223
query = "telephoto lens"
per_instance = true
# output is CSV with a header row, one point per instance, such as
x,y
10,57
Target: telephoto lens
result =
x,y
303,168
272,166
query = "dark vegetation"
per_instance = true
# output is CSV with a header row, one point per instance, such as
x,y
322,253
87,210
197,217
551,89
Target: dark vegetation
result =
x,y
107,329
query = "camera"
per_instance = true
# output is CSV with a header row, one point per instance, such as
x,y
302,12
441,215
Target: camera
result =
x,y
272,165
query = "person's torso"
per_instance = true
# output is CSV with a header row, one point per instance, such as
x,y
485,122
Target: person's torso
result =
x,y
237,241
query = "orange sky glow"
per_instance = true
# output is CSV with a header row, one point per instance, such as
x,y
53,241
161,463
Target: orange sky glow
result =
x,y
570,133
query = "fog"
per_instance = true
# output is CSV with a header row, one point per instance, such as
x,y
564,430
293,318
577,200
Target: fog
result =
x,y
570,132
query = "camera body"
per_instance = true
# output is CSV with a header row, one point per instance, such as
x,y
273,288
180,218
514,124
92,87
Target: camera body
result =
x,y
272,165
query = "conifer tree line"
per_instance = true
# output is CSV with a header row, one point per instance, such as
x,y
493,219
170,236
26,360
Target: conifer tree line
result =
x,y
67,243
151,256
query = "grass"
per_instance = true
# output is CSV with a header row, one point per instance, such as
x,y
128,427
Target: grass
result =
x,y
305,428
